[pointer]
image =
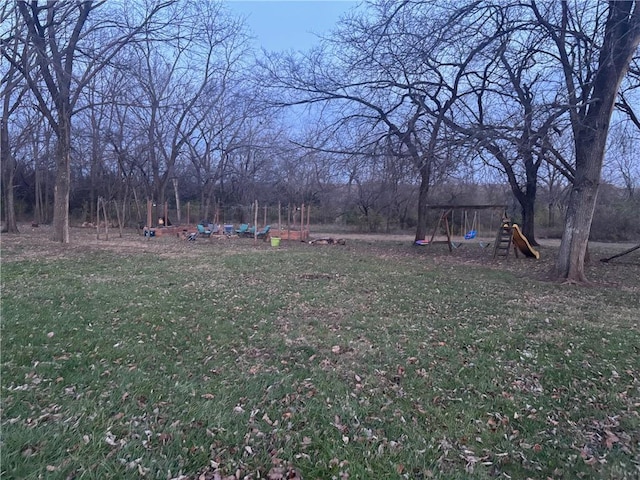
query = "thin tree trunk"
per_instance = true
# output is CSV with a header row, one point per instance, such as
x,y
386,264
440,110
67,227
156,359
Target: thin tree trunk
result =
x,y
11,224
528,218
177,195
421,228
8,173
138,209
37,209
62,185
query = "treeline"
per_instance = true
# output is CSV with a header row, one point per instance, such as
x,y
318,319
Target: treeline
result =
x,y
404,105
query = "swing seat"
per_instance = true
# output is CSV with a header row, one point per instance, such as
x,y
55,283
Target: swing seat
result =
x,y
471,234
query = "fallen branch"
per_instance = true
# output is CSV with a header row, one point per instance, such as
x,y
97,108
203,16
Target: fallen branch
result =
x,y
621,254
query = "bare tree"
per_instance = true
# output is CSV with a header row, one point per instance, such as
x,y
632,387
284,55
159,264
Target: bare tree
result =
x,y
512,113
593,64
66,53
13,90
178,85
227,128
628,96
623,166
554,188
388,74
627,134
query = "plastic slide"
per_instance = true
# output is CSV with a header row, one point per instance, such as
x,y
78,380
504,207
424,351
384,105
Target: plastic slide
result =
x,y
522,243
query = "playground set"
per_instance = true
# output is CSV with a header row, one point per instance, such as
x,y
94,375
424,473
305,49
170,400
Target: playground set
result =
x,y
298,220
508,234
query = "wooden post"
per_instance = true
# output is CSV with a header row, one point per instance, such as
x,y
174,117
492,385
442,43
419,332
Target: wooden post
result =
x,y
102,203
255,222
279,217
175,190
135,199
149,216
188,213
98,218
106,223
308,218
448,230
115,202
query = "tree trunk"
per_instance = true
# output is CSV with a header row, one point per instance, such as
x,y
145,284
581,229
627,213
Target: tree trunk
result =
x,y
528,219
621,38
38,215
421,228
8,172
11,225
528,199
63,182
582,204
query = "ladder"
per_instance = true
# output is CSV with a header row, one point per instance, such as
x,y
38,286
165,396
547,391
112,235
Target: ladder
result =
x,y
502,244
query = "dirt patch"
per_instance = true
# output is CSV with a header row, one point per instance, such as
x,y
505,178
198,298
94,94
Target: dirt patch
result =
x,y
35,243
623,272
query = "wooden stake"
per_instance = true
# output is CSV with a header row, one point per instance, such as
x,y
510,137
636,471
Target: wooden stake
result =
x,y
106,223
98,218
115,202
255,222
102,203
149,216
175,191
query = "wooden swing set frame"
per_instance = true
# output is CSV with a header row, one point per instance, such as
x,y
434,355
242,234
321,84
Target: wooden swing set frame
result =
x,y
446,212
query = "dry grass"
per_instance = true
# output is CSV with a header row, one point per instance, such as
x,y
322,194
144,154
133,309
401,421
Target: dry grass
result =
x,y
221,359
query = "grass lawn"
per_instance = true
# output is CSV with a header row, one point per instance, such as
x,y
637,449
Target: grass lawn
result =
x,y
215,359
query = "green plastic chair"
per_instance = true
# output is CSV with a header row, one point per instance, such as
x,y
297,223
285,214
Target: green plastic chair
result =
x,y
264,232
243,229
205,232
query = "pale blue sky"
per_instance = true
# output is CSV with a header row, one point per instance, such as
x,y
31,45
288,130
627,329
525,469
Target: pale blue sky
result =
x,y
285,25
